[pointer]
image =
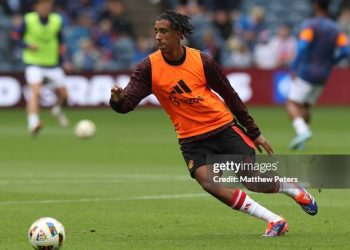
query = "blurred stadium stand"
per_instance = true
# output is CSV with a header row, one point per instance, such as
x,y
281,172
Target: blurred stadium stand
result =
x,y
115,35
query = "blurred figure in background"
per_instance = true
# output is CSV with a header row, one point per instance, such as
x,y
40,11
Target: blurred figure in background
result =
x,y
87,57
121,23
12,7
42,42
211,46
344,20
16,61
249,27
123,54
223,23
144,47
82,28
104,39
264,54
5,53
285,45
239,55
74,8
344,23
319,40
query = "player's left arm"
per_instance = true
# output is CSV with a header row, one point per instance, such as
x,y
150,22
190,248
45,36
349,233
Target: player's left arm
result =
x,y
217,81
343,48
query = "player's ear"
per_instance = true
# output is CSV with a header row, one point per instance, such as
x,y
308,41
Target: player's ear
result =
x,y
179,35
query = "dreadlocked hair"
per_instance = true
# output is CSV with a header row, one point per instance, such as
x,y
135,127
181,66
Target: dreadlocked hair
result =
x,y
178,22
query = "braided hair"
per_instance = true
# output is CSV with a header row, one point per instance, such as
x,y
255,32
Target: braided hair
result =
x,y
178,22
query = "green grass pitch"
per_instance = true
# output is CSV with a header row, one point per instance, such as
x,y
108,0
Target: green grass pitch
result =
x,y
128,187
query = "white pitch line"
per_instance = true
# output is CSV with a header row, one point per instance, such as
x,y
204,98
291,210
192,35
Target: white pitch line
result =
x,y
89,179
97,176
145,197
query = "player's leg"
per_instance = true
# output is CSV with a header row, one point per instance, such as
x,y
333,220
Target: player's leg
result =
x,y
236,142
300,195
241,201
195,154
57,111
298,96
34,79
58,77
306,113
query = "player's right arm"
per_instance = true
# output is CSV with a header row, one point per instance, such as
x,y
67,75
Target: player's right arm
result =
x,y
18,34
140,86
306,36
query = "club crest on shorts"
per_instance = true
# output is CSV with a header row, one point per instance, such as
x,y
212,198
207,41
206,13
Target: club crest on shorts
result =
x,y
190,164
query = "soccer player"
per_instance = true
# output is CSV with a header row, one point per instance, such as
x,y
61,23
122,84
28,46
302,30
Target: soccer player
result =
x,y
182,79
321,45
41,36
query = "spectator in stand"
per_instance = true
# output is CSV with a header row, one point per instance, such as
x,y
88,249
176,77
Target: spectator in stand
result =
x,y
265,54
74,8
285,45
5,54
249,27
143,49
15,61
61,9
223,23
82,29
114,10
239,55
12,7
87,57
123,54
104,36
211,46
344,20
202,21
229,6
344,24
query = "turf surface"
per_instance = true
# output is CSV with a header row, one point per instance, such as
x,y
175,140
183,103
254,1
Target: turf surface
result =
x,y
128,187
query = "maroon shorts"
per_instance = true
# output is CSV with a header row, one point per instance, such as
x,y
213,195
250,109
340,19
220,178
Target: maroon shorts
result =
x,y
232,140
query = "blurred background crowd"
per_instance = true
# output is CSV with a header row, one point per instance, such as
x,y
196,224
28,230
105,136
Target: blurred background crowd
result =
x,y
104,35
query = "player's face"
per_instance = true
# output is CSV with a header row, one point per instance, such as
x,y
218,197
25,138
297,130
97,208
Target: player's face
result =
x,y
44,7
167,39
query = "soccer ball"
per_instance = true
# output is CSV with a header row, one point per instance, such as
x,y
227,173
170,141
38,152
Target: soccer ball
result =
x,y
46,233
85,129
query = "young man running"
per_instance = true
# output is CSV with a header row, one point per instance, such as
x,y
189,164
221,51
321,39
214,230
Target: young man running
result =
x,y
182,79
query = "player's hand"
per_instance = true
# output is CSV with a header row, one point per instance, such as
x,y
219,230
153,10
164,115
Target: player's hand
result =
x,y
32,47
261,141
293,76
117,93
68,67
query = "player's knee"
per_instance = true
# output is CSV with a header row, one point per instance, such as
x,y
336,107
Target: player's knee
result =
x,y
62,92
209,186
205,180
35,92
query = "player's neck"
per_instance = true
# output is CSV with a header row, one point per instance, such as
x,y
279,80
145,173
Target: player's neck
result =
x,y
321,13
175,54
